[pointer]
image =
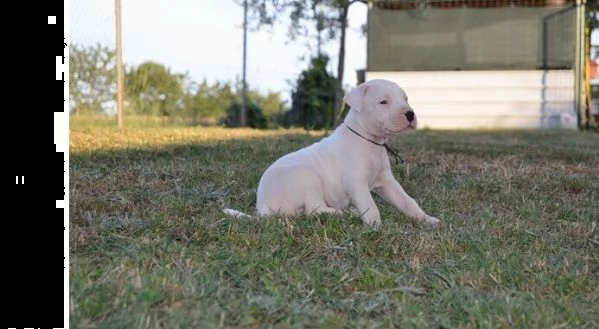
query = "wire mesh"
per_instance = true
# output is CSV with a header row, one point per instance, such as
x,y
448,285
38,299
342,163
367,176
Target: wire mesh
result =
x,y
471,35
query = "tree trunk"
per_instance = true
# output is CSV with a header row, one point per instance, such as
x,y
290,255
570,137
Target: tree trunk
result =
x,y
344,8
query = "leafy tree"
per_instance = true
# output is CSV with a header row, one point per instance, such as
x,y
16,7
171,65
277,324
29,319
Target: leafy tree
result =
x,y
210,100
328,16
255,116
152,89
313,99
216,101
271,104
92,82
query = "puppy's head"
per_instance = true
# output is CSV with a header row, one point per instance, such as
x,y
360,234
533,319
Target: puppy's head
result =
x,y
381,105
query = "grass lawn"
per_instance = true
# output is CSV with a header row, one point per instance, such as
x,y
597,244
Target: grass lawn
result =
x,y
150,247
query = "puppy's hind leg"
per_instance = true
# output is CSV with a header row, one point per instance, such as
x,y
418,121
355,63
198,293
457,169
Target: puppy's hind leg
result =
x,y
324,209
314,201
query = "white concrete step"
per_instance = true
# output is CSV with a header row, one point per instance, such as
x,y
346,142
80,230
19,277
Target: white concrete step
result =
x,y
445,109
492,95
497,122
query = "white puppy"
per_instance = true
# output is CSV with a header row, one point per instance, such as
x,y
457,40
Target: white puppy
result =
x,y
342,169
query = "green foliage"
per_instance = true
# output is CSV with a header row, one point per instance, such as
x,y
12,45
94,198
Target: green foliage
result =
x,y
327,17
313,98
210,100
254,116
321,16
271,105
151,88
92,76
218,101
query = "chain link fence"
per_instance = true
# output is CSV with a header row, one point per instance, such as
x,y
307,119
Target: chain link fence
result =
x,y
92,56
471,35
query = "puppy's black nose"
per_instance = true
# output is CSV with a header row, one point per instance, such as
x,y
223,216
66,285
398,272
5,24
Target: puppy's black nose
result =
x,y
410,116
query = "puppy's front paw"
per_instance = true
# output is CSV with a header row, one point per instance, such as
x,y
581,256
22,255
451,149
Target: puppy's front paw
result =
x,y
375,223
432,221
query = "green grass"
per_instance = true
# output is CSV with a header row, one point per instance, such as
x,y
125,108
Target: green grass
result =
x,y
150,248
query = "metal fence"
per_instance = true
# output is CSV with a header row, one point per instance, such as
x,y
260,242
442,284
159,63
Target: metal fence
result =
x,y
471,35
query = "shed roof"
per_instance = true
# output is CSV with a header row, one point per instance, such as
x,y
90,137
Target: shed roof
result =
x,y
447,4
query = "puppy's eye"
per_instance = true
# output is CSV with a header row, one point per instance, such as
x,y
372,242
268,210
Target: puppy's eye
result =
x,y
384,101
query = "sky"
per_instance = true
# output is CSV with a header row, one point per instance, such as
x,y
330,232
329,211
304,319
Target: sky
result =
x,y
205,38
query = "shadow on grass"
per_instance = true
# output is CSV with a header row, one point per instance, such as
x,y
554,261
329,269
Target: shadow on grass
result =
x,y
148,238
198,174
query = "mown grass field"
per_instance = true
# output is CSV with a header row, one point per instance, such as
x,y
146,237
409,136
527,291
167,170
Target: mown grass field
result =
x,y
150,247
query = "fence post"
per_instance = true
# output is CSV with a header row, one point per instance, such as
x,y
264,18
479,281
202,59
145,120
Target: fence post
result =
x,y
579,65
119,64
243,108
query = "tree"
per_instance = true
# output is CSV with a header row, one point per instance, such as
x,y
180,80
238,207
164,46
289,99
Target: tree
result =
x,y
213,103
263,110
210,100
254,116
92,82
313,99
271,105
152,89
329,15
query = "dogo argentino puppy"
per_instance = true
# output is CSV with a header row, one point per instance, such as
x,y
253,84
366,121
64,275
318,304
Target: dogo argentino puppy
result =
x,y
341,170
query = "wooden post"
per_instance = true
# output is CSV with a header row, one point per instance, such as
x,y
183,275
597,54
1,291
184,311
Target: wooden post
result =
x,y
119,65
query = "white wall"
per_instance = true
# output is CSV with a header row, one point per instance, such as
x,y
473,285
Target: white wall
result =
x,y
489,99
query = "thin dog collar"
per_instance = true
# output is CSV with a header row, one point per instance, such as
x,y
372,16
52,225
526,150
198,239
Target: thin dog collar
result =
x,y
389,149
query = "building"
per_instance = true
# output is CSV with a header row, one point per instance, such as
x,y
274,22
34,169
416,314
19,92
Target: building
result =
x,y
481,63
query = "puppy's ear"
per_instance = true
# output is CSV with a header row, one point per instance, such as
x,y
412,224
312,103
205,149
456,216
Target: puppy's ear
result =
x,y
355,97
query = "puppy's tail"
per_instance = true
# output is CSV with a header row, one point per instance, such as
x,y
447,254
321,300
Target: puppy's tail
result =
x,y
237,214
